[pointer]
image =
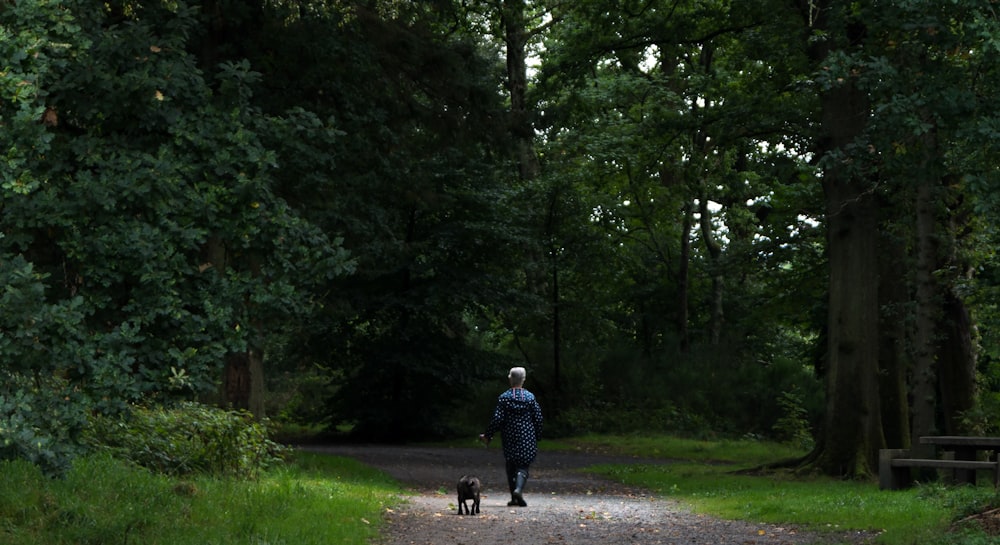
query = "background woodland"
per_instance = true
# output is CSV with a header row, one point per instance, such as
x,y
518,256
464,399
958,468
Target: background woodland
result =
x,y
772,218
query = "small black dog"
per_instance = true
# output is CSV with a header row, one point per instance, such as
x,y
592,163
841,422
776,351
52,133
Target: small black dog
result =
x,y
468,489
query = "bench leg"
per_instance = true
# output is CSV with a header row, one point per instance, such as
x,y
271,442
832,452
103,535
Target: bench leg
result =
x,y
889,477
964,476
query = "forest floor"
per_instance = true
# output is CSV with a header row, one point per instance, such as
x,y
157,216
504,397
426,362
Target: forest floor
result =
x,y
565,505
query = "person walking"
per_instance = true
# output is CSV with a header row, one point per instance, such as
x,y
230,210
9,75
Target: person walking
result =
x,y
518,418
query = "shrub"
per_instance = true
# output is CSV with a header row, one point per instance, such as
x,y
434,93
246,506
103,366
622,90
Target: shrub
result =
x,y
39,421
188,438
793,427
605,418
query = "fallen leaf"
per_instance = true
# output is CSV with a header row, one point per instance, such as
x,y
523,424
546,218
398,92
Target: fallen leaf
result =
x,y
50,118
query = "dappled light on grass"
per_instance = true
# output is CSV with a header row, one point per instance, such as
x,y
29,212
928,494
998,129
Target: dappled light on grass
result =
x,y
328,500
317,500
816,504
710,478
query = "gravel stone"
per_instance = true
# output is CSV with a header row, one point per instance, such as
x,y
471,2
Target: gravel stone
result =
x,y
565,505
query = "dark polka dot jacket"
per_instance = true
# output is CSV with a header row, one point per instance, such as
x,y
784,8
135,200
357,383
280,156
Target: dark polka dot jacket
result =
x,y
518,418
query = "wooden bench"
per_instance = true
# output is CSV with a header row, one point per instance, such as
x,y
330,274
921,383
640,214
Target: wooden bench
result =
x,y
894,468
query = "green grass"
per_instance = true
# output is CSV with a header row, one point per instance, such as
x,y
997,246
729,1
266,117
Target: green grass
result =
x,y
673,448
315,500
709,477
320,499
814,503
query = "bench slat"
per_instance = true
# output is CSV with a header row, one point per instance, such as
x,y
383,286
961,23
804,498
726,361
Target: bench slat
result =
x,y
945,464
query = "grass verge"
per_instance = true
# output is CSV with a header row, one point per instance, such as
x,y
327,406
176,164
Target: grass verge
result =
x,y
710,477
314,500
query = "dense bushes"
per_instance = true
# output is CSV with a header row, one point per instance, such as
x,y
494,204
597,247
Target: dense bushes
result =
x,y
708,391
189,438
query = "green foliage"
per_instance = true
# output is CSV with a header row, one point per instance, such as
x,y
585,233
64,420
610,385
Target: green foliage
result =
x,y
794,425
142,237
317,500
36,39
335,188
610,417
40,421
190,438
680,394
416,191
41,412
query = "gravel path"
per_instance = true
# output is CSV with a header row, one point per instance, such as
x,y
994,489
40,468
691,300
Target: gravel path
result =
x,y
565,505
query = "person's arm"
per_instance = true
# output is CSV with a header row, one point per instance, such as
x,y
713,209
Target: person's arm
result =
x,y
537,418
494,426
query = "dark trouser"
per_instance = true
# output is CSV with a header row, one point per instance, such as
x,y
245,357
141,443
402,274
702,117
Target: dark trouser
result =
x,y
512,469
517,476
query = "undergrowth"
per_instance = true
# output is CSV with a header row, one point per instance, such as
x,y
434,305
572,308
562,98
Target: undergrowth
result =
x,y
314,500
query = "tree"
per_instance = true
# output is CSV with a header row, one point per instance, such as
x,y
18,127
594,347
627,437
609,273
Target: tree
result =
x,y
852,428
647,107
414,188
895,84
151,209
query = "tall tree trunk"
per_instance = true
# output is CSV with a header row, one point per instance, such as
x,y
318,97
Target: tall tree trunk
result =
x,y
236,380
683,273
852,427
853,424
514,23
712,245
924,381
715,268
956,364
556,324
242,372
893,297
956,355
243,382
513,20
258,390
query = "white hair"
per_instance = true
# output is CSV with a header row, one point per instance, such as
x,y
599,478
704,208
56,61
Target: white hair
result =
x,y
516,376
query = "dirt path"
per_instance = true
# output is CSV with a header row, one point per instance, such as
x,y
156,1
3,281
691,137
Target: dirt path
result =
x,y
565,505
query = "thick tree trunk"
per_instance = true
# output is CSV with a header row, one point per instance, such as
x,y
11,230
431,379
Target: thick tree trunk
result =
x,y
243,372
258,392
924,377
853,425
956,364
852,429
243,382
522,128
853,419
956,355
893,362
236,380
